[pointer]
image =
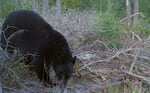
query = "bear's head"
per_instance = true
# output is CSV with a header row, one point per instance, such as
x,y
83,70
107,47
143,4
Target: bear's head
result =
x,y
64,71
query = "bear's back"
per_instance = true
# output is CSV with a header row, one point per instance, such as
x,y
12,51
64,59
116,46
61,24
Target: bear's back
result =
x,y
25,20
30,28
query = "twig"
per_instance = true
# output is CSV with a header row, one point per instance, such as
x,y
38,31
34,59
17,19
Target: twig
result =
x,y
141,57
108,59
12,35
101,42
11,89
7,39
88,68
145,79
86,65
108,84
134,61
132,16
137,36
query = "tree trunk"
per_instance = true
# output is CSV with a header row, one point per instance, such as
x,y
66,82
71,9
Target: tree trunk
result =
x,y
128,11
58,14
0,8
16,4
45,7
58,4
36,5
136,10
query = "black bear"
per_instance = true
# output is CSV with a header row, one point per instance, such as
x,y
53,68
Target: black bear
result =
x,y
29,33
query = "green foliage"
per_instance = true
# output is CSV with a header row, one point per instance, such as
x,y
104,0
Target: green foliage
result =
x,y
119,7
108,26
101,5
115,89
144,7
19,64
74,4
115,43
110,29
143,27
10,5
128,87
7,6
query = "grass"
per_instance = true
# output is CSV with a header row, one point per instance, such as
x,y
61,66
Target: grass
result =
x,y
109,28
129,87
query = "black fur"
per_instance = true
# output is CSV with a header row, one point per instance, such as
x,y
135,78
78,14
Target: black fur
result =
x,y
30,34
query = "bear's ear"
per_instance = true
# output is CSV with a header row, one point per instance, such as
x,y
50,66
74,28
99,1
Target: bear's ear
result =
x,y
74,59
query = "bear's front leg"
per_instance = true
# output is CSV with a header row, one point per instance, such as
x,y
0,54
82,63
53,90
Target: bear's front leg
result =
x,y
41,71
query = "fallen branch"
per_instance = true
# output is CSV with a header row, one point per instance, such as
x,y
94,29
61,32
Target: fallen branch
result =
x,y
138,13
87,65
108,84
10,89
108,59
134,60
138,37
141,57
144,79
100,42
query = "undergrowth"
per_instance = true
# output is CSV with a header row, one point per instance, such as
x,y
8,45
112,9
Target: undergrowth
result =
x,y
113,31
